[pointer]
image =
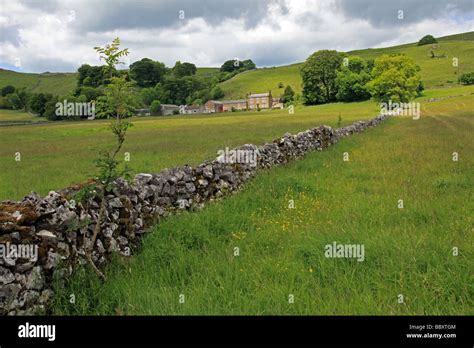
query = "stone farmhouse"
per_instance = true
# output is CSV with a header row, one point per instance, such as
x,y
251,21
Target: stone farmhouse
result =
x,y
260,101
253,102
256,101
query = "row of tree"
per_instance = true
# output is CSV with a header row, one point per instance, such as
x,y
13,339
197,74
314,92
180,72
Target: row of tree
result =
x,y
330,76
157,83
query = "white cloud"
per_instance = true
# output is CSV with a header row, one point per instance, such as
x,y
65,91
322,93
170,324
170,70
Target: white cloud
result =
x,y
49,37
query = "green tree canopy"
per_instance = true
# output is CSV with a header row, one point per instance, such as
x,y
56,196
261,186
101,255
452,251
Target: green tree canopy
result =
x,y
395,78
147,73
184,69
319,74
426,40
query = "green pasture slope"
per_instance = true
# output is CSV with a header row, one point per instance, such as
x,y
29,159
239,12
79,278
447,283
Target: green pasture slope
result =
x,y
59,83
54,83
435,72
407,251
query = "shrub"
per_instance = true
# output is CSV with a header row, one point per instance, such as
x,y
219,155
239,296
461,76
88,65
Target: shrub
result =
x,y
288,95
50,111
37,102
467,78
155,107
280,85
426,40
5,103
7,90
15,101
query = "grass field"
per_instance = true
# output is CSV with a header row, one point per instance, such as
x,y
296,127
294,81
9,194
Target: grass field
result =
x,y
408,251
55,155
58,154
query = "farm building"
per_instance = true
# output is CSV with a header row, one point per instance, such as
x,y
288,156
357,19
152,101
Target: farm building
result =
x,y
213,106
193,109
229,105
168,109
225,105
260,101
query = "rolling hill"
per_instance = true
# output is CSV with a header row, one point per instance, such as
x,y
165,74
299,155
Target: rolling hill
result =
x,y
59,83
435,72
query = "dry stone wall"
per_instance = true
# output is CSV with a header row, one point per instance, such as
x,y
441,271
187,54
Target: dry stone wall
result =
x,y
46,238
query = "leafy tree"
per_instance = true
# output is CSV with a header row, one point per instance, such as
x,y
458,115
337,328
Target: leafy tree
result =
x,y
91,76
15,101
231,65
426,40
111,54
147,73
319,74
23,94
352,86
217,93
117,96
90,93
395,78
5,103
248,64
467,78
7,90
237,65
175,90
50,110
37,102
356,64
184,69
288,95
147,95
351,80
155,107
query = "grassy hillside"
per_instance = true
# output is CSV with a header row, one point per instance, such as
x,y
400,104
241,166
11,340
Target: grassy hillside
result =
x,y
407,251
59,83
435,72
55,83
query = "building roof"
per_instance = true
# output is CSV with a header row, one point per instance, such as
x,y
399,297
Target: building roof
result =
x,y
234,101
258,95
193,107
169,106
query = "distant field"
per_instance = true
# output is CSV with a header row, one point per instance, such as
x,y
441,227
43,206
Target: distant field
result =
x,y
15,115
407,251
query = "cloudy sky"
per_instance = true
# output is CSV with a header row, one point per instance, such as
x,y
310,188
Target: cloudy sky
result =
x,y
59,35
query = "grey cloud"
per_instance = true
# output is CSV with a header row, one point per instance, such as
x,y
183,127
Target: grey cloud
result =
x,y
104,16
10,34
385,13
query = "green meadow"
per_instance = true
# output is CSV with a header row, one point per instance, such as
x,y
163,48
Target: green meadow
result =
x,y
251,253
56,155
188,263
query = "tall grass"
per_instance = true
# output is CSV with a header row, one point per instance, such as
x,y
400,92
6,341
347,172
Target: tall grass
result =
x,y
408,251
